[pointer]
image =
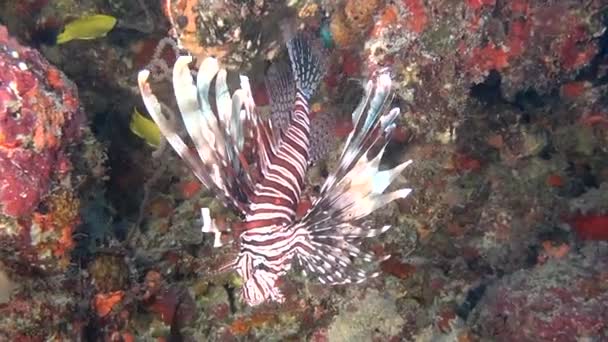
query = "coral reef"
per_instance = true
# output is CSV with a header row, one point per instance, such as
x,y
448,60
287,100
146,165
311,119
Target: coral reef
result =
x,y
375,316
353,21
562,300
235,32
35,312
44,147
40,119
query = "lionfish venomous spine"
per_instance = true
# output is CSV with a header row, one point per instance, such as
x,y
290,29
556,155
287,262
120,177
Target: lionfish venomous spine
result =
x,y
232,143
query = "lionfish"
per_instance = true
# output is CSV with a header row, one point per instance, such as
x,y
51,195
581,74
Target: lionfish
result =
x,y
232,144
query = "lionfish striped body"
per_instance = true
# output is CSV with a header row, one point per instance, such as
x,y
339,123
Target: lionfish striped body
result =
x,y
325,240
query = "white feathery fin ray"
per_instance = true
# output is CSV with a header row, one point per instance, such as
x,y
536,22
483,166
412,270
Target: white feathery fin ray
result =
x,y
219,138
243,113
200,132
168,129
170,132
353,191
223,100
236,127
207,70
372,105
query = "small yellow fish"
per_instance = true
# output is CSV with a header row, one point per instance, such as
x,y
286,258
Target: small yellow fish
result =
x,y
145,128
89,27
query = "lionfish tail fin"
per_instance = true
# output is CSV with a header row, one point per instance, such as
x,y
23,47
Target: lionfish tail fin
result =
x,y
308,63
335,224
334,255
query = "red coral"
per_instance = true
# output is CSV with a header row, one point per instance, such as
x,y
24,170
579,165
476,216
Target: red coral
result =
x,y
175,306
395,267
519,34
351,64
463,162
418,19
591,227
476,4
490,57
573,89
520,7
39,119
577,50
34,121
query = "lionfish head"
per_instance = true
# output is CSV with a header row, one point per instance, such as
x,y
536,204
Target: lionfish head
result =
x,y
259,283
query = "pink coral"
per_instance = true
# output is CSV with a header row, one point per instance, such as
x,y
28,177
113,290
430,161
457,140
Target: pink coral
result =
x,y
40,118
38,113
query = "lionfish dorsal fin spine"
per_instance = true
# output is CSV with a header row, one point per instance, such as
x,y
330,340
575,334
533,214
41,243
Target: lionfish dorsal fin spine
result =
x,y
223,100
308,65
281,89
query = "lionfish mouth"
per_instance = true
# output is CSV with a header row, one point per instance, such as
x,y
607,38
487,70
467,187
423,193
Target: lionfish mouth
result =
x,y
326,240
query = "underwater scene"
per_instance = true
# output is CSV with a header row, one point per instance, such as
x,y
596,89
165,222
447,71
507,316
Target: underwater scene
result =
x,y
304,170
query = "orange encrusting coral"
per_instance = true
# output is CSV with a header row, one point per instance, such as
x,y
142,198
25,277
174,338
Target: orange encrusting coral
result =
x,y
490,57
353,21
54,78
417,20
105,302
498,57
242,326
61,220
187,34
389,17
189,189
341,33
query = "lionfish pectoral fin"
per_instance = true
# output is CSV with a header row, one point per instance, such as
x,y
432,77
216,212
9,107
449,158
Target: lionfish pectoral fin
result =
x,y
332,255
383,179
354,190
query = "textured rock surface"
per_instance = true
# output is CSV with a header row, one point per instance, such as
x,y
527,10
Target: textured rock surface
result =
x,y
46,154
40,119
